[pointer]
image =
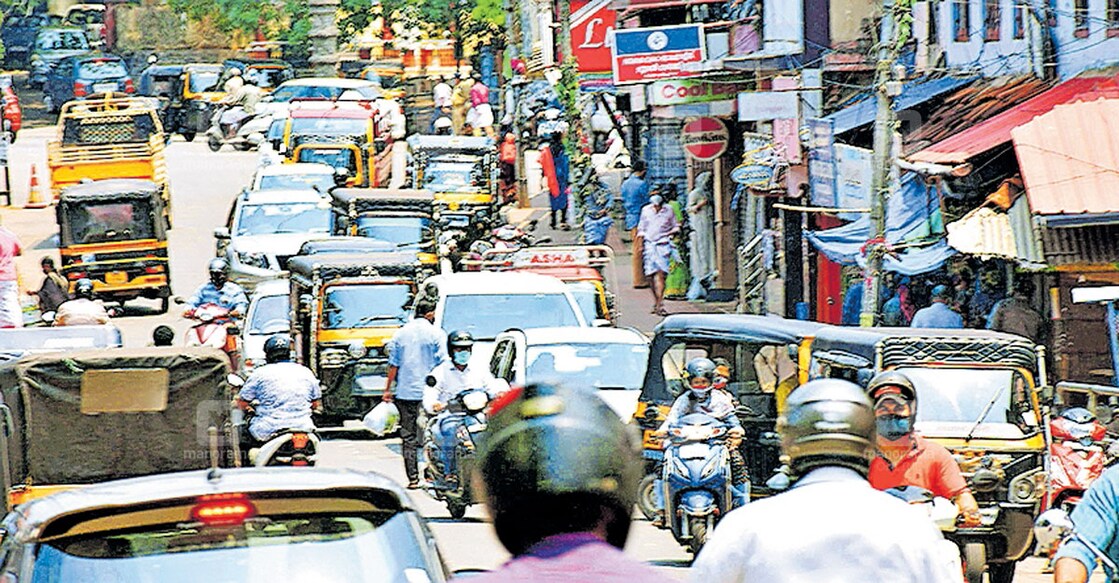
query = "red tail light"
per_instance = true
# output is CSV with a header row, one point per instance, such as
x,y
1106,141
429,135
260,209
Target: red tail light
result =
x,y
223,509
128,86
154,269
299,440
75,275
79,89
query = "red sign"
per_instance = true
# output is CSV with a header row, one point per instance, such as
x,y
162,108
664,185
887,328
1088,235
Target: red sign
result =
x,y
704,138
591,23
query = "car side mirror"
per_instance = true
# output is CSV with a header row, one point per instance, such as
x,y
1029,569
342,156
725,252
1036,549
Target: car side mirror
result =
x,y
221,233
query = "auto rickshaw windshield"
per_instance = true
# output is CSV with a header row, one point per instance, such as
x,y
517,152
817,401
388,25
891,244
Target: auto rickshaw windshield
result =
x,y
399,231
453,176
266,77
333,157
115,221
204,80
330,126
366,306
951,401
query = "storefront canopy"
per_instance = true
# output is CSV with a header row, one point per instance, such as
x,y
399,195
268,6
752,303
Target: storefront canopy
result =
x,y
913,93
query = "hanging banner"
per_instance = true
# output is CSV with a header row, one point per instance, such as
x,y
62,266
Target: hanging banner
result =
x,y
821,161
759,163
768,105
854,171
705,138
649,54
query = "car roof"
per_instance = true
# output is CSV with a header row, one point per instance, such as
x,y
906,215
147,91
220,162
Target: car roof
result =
x,y
160,487
495,283
576,335
281,196
329,82
297,168
272,287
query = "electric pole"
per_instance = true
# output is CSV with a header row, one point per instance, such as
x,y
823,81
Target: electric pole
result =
x,y
885,90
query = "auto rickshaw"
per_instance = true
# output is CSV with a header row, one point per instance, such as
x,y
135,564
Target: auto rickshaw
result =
x,y
346,307
768,358
264,73
588,270
161,82
401,218
114,232
86,416
462,172
978,394
198,92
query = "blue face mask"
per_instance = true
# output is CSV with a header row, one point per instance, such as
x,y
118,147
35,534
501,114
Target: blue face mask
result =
x,y
461,357
893,427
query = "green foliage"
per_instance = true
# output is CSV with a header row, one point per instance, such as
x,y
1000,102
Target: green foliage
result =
x,y
490,12
283,20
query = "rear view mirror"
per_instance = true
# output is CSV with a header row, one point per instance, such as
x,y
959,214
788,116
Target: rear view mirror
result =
x,y
221,233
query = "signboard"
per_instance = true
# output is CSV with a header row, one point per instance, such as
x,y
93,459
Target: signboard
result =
x,y
704,138
821,162
565,256
682,91
759,163
854,172
767,105
786,131
649,54
592,23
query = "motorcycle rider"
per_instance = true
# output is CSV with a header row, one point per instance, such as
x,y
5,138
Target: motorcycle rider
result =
x,y
219,291
701,398
559,474
847,530
285,392
1096,518
456,375
82,310
240,104
907,459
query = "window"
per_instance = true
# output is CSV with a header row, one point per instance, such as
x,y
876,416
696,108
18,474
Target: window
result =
x,y
992,19
1080,18
961,20
1112,17
1019,21
934,23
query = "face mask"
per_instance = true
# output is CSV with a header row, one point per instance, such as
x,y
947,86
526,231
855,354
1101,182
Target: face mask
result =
x,y
656,200
892,427
461,357
701,393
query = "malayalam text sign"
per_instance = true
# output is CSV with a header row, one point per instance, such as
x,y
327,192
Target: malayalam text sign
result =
x,y
650,54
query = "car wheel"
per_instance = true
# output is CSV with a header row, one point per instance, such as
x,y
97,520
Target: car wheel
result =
x,y
188,136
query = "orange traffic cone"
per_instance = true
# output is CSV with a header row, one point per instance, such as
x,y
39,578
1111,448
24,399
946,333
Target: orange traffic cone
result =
x,y
35,198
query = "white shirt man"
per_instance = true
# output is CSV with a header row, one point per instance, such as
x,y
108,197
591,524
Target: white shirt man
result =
x,y
81,312
451,380
441,94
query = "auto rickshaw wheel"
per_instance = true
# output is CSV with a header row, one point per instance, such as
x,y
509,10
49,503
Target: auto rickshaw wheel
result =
x,y
975,562
456,508
1001,572
215,143
647,496
188,136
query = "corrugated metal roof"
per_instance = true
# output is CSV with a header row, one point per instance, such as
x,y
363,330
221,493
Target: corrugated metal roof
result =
x,y
913,93
1069,159
985,233
1081,247
996,130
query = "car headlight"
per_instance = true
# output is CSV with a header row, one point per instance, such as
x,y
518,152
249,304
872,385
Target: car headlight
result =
x,y
356,350
333,358
252,259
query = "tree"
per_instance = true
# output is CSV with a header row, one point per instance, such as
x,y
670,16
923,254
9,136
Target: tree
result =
x,y
282,20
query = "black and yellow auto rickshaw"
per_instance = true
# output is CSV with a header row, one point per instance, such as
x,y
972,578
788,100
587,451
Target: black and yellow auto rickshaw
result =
x,y
199,90
114,232
768,358
346,307
462,172
162,83
401,218
978,394
264,73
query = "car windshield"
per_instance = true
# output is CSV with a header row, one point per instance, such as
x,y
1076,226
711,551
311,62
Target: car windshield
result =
x,y
270,218
453,176
486,316
601,365
586,296
371,547
62,40
951,400
333,157
269,315
204,80
399,231
266,77
120,221
366,306
288,92
331,126
297,181
102,69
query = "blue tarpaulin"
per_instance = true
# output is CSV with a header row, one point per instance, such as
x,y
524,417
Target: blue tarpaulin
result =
x,y
862,111
912,216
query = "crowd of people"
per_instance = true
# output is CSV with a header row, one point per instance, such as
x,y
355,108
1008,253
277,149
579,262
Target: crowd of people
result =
x,y
462,107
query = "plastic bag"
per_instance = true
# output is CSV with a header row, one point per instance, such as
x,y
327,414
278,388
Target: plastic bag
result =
x,y
382,419
696,291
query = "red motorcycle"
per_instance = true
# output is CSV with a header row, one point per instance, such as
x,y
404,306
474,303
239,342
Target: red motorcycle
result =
x,y
216,328
1077,456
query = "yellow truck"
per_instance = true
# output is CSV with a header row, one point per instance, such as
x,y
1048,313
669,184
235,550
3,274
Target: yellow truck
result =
x,y
110,137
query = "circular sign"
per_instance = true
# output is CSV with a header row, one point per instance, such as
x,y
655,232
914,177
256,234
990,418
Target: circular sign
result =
x,y
657,40
705,138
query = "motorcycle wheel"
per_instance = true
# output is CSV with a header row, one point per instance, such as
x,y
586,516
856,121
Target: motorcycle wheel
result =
x,y
1001,572
646,496
215,143
975,562
242,146
188,136
697,526
456,508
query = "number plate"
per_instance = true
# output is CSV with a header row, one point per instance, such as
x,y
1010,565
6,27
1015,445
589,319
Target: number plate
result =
x,y
651,441
116,277
104,87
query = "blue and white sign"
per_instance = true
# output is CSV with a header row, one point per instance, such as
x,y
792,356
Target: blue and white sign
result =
x,y
821,162
649,54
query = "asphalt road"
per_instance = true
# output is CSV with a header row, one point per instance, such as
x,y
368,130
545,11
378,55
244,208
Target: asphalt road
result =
x,y
203,186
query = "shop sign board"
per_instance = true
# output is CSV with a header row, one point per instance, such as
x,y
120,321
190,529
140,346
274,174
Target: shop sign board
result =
x,y
648,54
592,23
704,138
768,105
853,175
682,91
821,162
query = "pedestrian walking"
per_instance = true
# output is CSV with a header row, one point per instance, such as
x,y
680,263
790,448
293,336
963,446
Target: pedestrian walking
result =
x,y
676,283
507,156
441,93
657,226
634,196
938,314
556,167
414,350
54,291
483,112
460,102
11,315
1016,314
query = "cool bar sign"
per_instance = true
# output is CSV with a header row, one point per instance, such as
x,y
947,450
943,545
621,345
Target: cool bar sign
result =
x,y
678,92
649,54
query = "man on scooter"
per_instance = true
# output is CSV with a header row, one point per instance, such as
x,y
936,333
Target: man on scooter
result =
x,y
285,392
907,459
82,310
701,398
219,291
240,105
454,376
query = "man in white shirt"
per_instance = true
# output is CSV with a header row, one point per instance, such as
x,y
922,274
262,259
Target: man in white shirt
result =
x,y
441,94
82,310
455,375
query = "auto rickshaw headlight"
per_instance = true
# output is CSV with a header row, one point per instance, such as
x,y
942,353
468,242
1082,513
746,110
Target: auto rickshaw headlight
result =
x,y
985,480
356,350
1027,486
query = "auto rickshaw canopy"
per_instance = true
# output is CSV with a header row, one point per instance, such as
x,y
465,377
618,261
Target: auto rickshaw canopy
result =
x,y
356,201
120,209
350,245
305,269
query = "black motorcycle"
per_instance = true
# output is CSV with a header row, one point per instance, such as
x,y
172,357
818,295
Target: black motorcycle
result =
x,y
449,446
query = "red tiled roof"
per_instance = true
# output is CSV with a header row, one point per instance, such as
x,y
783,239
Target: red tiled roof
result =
x,y
971,106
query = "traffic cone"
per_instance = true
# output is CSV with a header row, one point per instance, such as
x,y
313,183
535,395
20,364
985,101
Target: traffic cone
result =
x,y
35,198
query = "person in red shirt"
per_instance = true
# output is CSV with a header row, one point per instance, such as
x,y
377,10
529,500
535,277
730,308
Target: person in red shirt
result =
x,y
907,459
11,314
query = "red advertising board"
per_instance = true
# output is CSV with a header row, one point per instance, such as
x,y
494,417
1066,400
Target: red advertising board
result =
x,y
591,24
704,138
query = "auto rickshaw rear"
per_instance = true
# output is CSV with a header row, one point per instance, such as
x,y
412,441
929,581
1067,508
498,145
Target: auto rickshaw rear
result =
x,y
404,219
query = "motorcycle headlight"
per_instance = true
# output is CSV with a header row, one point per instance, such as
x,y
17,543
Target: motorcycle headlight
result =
x,y
252,259
356,350
475,400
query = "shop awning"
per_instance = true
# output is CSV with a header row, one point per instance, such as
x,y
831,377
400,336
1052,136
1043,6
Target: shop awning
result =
x,y
995,131
986,233
913,93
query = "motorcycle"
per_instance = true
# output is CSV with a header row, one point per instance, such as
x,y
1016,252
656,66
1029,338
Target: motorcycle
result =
x,y
215,329
696,479
449,447
1054,526
289,447
243,135
941,511
1076,456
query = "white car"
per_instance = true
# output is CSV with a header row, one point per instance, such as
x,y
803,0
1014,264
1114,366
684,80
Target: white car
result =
x,y
269,314
265,228
489,303
611,360
294,177
279,101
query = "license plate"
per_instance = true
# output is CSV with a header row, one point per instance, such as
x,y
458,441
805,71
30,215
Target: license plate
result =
x,y
104,87
369,380
651,441
116,277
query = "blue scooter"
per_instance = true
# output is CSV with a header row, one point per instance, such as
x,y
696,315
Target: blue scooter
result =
x,y
449,445
697,479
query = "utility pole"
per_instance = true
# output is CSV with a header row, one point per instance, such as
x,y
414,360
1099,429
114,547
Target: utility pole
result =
x,y
885,90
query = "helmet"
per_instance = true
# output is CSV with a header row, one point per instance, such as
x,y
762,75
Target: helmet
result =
x,y
234,72
896,381
560,455
700,367
459,339
83,288
218,265
828,422
277,349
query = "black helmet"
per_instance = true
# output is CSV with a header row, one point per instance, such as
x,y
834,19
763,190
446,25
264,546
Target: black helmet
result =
x,y
83,288
561,456
459,339
218,265
277,349
828,422
893,380
163,335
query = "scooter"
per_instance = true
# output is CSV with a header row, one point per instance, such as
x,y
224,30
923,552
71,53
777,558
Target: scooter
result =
x,y
249,133
216,329
942,512
289,447
1076,456
697,479
1054,526
449,447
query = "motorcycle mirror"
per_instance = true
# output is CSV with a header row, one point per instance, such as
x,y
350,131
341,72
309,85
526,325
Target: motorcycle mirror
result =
x,y
235,381
178,300
48,317
1051,526
430,381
